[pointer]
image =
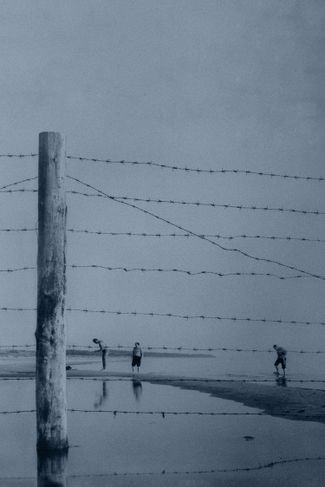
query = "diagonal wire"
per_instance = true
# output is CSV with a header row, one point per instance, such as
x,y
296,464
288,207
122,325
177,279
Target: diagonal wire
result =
x,y
235,250
18,182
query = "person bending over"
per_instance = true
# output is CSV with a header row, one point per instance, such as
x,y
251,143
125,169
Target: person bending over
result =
x,y
103,349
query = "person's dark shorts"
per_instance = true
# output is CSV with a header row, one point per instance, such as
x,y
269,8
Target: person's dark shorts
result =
x,y
136,361
280,361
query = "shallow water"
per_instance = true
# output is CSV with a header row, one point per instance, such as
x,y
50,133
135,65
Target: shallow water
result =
x,y
138,448
255,367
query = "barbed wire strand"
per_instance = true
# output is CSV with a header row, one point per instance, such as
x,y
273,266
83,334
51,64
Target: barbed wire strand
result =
x,y
273,463
200,380
18,229
166,348
235,250
201,203
18,156
224,206
295,414
188,235
176,235
17,269
15,183
176,380
184,271
174,167
172,315
162,270
20,190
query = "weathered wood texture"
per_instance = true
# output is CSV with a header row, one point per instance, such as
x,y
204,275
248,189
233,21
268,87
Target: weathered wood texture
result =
x,y
51,468
51,285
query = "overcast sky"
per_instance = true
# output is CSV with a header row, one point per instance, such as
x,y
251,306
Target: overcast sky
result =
x,y
204,84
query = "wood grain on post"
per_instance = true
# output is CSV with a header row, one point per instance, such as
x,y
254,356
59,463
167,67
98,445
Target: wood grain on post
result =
x,y
51,404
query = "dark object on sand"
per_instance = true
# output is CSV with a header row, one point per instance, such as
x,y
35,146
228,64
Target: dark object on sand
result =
x,y
68,367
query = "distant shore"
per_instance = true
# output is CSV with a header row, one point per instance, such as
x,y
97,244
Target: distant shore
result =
x,y
294,403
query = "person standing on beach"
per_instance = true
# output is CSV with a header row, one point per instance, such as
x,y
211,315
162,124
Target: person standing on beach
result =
x,y
104,350
281,359
136,356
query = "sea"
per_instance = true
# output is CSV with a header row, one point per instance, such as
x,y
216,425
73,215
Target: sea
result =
x,y
122,433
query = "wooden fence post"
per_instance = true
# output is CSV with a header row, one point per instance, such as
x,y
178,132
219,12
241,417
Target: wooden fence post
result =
x,y
51,407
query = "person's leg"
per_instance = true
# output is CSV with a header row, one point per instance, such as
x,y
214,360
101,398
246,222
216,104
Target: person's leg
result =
x,y
104,359
284,367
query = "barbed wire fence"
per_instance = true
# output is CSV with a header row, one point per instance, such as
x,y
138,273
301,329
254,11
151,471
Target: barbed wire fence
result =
x,y
212,238
185,233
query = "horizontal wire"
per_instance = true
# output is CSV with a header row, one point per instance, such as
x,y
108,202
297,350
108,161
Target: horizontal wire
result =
x,y
200,203
18,269
173,167
164,380
202,317
20,190
172,315
190,379
115,412
176,235
182,271
164,347
198,170
189,235
161,270
18,229
19,156
273,463
160,413
235,250
206,471
224,206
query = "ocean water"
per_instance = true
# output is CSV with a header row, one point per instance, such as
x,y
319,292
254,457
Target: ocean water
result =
x,y
152,450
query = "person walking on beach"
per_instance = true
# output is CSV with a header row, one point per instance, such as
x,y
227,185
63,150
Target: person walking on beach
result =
x,y
281,359
103,349
136,356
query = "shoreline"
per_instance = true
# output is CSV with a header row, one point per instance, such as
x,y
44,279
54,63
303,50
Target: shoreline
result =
x,y
294,403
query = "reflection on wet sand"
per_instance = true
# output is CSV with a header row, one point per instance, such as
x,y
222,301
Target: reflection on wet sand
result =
x,y
51,468
137,389
281,381
103,396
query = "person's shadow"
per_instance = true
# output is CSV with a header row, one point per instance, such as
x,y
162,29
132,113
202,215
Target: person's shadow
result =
x,y
103,396
137,389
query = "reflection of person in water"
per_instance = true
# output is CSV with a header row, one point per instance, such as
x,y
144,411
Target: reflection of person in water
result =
x,y
103,396
137,389
103,348
281,381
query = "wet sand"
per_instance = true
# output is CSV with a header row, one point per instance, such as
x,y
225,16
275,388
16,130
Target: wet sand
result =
x,y
290,402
